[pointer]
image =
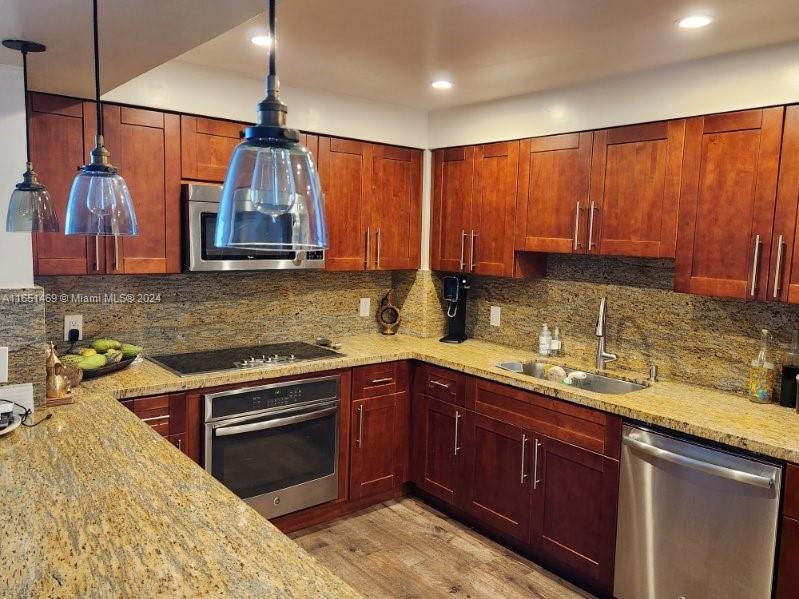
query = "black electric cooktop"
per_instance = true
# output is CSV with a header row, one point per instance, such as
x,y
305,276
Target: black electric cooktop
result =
x,y
260,356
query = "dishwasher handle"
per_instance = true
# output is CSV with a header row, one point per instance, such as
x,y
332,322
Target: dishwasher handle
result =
x,y
740,476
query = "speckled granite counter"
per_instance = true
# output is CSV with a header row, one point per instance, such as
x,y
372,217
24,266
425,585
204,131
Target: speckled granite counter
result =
x,y
724,417
95,504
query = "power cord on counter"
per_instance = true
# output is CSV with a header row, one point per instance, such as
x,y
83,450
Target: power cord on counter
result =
x,y
27,413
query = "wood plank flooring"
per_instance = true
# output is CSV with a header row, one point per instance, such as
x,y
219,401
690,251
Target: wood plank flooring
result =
x,y
406,549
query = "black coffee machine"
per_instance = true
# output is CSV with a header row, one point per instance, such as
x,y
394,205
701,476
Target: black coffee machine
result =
x,y
455,288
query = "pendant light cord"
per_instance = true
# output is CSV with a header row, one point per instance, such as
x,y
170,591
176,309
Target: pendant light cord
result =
x,y
272,38
27,105
98,107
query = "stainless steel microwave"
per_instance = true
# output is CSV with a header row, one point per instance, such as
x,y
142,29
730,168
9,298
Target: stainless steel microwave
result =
x,y
201,204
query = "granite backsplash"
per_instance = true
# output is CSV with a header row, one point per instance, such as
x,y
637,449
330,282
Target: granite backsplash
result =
x,y
22,330
692,338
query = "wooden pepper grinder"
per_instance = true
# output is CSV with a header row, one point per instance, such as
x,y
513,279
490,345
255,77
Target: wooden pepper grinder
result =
x,y
58,390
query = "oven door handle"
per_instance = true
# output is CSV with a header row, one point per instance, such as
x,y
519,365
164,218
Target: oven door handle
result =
x,y
224,431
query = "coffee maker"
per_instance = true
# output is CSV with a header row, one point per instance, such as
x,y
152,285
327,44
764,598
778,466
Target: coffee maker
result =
x,y
455,288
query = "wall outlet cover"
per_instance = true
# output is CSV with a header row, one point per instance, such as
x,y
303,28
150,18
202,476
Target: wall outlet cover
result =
x,y
73,321
365,307
496,315
3,364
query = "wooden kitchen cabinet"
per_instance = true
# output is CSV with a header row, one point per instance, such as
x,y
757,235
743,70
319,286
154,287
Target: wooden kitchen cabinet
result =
x,y
168,415
727,203
453,180
498,483
574,506
787,577
635,190
145,147
783,282
206,147
57,151
553,193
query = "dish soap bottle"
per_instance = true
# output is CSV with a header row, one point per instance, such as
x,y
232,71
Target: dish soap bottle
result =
x,y
761,375
790,368
556,346
545,341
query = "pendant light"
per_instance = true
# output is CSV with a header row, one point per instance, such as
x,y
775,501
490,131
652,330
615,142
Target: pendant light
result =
x,y
272,198
30,207
99,202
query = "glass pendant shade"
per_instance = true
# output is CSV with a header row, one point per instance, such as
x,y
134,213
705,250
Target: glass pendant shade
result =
x,y
271,199
100,204
31,209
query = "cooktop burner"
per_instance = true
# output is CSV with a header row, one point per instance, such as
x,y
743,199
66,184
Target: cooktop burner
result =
x,y
260,356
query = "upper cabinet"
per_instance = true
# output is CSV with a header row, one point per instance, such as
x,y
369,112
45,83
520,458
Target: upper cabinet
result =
x,y
373,199
473,211
553,193
206,146
783,282
726,213
635,190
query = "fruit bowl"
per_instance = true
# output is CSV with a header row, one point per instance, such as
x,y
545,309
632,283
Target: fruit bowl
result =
x,y
108,368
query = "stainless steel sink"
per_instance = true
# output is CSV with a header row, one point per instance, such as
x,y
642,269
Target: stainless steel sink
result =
x,y
598,383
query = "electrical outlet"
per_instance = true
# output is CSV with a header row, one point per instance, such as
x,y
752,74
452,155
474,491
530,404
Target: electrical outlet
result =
x,y
73,321
3,364
496,315
365,307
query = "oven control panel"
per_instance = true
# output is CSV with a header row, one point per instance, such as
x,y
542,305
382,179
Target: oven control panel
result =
x,y
237,402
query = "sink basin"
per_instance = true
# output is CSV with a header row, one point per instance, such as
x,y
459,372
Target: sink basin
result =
x,y
598,383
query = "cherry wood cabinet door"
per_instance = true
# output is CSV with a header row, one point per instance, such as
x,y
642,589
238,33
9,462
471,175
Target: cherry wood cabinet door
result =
x,y
438,448
727,203
396,208
145,147
206,147
57,151
573,522
345,170
553,193
498,475
377,442
496,168
453,180
635,190
783,282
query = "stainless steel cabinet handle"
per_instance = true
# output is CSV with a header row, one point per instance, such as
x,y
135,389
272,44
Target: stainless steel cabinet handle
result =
x,y
179,444
576,227
359,439
368,246
388,379
591,226
471,251
536,480
116,252
155,418
224,431
778,270
713,469
458,416
378,247
755,264
439,384
463,249
524,452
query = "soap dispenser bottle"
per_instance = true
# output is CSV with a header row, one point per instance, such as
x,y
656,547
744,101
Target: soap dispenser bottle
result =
x,y
545,341
761,373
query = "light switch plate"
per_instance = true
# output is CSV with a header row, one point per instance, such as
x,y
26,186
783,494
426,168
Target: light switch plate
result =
x,y
73,321
496,314
3,364
365,307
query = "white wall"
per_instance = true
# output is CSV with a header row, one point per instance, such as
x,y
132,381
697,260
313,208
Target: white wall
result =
x,y
741,80
185,87
16,260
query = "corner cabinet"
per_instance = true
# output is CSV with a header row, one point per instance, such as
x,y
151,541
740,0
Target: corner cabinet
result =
x,y
372,204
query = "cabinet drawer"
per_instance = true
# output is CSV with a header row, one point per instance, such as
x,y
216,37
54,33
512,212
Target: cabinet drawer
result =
x,y
584,427
164,413
379,379
443,384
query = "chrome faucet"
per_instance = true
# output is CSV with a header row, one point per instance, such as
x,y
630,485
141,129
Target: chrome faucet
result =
x,y
602,356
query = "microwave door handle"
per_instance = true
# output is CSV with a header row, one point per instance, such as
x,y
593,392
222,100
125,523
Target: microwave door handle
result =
x,y
224,431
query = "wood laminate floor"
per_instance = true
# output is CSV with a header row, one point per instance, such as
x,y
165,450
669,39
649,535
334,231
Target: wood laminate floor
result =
x,y
405,548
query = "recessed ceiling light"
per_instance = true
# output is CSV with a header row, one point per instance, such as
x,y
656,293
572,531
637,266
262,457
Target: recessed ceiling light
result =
x,y
261,40
442,84
694,22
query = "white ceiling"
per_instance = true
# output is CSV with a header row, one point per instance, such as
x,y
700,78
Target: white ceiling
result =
x,y
391,50
135,36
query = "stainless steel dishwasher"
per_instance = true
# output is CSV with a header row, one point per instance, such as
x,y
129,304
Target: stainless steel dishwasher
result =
x,y
694,521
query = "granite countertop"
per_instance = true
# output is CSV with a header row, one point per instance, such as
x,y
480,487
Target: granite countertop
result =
x,y
96,503
719,416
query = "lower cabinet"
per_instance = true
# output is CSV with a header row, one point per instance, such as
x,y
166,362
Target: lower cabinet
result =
x,y
165,414
379,444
